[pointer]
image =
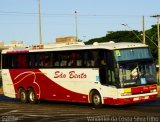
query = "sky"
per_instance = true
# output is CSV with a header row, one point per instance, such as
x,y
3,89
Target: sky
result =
x,y
95,18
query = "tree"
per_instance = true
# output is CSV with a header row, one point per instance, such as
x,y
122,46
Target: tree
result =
x,y
132,36
118,36
151,41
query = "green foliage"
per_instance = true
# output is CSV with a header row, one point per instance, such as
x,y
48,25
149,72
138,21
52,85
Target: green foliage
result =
x,y
118,36
132,36
151,41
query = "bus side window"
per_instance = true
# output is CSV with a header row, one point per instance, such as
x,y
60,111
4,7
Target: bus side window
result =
x,y
103,58
43,61
56,59
5,61
85,57
69,60
32,60
22,61
63,59
39,60
48,59
79,59
14,61
95,57
89,59
73,57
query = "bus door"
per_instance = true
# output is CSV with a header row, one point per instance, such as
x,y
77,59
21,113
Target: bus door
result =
x,y
107,79
107,76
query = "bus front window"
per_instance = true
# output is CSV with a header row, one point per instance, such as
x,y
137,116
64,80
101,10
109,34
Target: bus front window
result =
x,y
137,73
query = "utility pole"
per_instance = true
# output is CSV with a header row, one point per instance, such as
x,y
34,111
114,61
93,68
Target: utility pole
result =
x,y
144,35
76,26
40,28
158,17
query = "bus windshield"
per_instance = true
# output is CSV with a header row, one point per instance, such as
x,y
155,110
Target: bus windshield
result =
x,y
132,54
136,67
137,73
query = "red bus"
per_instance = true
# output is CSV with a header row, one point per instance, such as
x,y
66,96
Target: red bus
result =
x,y
102,73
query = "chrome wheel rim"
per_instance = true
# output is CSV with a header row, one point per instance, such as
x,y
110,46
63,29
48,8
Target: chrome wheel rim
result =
x,y
31,96
23,96
96,99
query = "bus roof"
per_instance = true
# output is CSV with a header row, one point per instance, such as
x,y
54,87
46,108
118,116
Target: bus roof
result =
x,y
75,46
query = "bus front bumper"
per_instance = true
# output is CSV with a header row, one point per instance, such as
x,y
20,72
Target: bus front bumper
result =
x,y
129,100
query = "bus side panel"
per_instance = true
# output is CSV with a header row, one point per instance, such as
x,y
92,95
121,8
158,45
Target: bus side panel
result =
x,y
108,93
8,86
48,88
32,78
73,84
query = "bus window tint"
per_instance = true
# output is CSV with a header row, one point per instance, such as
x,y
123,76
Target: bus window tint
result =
x,y
17,61
48,59
90,61
55,59
95,55
32,60
79,60
22,61
14,61
38,60
85,58
5,63
63,59
91,58
73,59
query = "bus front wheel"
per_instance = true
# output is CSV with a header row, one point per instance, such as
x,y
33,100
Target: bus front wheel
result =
x,y
32,96
23,95
96,99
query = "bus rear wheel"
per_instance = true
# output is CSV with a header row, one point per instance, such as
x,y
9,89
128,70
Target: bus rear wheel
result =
x,y
96,99
32,96
23,95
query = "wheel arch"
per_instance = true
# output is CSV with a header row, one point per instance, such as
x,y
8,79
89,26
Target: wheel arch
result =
x,y
29,87
91,94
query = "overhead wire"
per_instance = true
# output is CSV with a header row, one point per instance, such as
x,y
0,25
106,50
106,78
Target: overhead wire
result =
x,y
66,14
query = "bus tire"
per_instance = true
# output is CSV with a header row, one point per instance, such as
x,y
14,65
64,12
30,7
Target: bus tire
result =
x,y
23,95
96,99
32,96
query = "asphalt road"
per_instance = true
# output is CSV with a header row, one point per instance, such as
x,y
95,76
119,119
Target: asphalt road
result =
x,y
11,110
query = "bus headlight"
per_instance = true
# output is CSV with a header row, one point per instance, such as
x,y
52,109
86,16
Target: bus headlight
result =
x,y
126,92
